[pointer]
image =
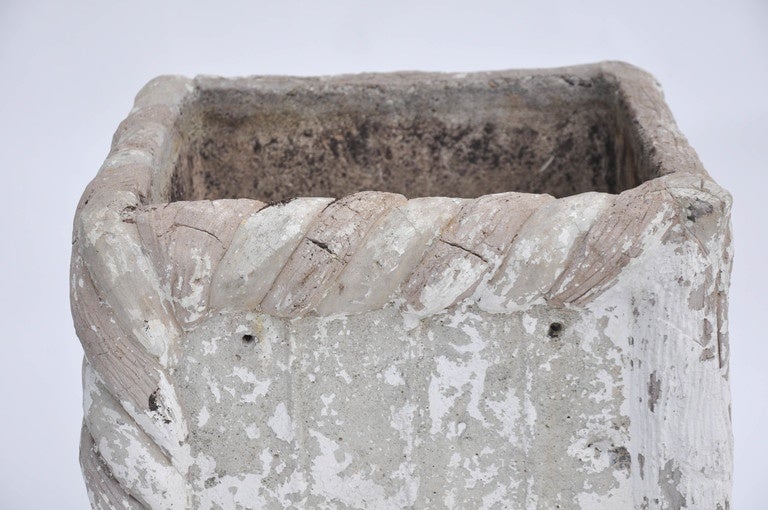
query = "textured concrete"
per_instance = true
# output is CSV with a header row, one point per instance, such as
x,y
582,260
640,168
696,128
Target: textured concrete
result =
x,y
515,296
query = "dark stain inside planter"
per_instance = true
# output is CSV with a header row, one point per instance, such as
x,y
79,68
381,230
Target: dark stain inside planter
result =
x,y
417,138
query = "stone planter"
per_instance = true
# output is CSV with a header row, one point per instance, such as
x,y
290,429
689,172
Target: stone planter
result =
x,y
514,296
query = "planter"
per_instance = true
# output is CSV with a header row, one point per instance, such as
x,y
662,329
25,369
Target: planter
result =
x,y
494,290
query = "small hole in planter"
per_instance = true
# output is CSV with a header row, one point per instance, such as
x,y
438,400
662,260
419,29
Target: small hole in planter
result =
x,y
248,338
152,402
554,330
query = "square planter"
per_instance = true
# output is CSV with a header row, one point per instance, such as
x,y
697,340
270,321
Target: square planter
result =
x,y
410,290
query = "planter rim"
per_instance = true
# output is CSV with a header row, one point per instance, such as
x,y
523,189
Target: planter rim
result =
x,y
135,183
145,169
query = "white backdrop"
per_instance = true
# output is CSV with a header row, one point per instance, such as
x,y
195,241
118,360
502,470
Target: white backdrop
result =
x,y
70,71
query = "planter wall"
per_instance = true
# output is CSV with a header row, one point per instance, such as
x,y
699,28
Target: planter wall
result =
x,y
490,290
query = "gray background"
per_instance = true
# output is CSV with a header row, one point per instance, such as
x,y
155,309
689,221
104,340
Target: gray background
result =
x,y
70,71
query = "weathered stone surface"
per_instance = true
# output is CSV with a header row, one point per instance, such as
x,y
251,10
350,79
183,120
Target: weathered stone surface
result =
x,y
494,290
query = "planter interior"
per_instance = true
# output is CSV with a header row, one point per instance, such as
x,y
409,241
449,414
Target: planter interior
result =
x,y
416,137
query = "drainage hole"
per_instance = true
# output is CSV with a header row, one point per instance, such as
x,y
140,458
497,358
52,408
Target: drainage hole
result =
x,y
555,329
248,338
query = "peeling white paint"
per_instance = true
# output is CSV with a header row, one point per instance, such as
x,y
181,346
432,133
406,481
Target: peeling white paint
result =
x,y
281,423
393,377
202,417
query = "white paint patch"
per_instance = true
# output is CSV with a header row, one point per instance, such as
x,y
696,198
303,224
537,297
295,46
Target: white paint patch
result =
x,y
605,393
211,346
252,431
496,499
212,384
240,491
344,375
529,323
393,377
281,423
508,412
458,276
193,302
202,417
89,386
327,401
352,490
260,387
452,375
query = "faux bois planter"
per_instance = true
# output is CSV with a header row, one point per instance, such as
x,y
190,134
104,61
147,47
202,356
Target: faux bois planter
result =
x,y
410,290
